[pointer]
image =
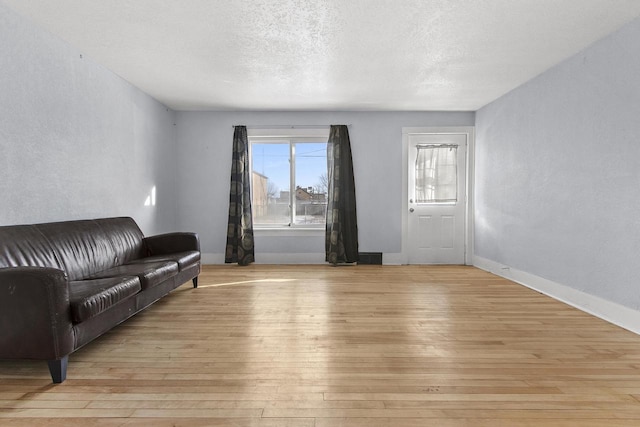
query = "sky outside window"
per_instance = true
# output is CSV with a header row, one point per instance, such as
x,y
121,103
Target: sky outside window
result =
x,y
272,161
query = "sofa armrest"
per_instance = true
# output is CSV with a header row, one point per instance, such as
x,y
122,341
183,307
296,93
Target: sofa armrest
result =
x,y
168,243
35,316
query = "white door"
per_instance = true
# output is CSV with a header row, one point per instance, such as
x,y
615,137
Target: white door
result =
x,y
437,198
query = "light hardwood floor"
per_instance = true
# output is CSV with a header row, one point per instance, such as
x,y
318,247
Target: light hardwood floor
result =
x,y
341,346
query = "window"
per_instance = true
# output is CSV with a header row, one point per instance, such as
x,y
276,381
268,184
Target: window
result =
x,y
289,178
436,174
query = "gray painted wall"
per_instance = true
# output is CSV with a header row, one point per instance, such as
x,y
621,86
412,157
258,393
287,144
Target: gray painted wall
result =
x,y
77,141
557,191
376,141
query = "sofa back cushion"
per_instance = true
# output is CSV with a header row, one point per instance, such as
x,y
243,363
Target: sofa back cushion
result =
x,y
86,247
25,246
126,238
81,248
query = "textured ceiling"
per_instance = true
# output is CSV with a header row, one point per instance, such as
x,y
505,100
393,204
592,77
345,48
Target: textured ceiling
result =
x,y
331,54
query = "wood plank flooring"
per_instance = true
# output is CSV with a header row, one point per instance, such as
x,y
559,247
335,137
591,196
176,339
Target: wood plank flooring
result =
x,y
349,346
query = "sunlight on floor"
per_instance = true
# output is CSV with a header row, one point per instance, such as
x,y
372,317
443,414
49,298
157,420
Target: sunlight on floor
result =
x,y
248,282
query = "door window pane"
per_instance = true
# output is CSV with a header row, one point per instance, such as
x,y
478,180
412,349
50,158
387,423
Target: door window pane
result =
x,y
436,174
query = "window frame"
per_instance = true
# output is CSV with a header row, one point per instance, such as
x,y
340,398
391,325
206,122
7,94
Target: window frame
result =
x,y
292,136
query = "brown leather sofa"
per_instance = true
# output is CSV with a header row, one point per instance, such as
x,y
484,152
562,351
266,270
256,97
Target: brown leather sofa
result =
x,y
63,284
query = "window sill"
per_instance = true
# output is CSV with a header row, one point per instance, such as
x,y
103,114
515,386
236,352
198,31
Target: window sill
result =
x,y
288,231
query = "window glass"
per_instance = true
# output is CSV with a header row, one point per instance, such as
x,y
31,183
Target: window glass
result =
x,y
270,181
311,183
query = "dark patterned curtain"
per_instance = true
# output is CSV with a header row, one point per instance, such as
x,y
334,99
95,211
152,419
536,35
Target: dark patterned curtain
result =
x,y
240,229
342,228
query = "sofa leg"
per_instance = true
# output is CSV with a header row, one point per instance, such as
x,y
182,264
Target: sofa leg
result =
x,y
195,282
58,369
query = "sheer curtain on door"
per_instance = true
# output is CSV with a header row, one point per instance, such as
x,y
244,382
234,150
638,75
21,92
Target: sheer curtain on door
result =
x,y
436,174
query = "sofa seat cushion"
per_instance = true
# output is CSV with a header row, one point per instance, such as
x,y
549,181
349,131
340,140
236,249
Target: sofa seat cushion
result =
x,y
150,273
184,259
89,298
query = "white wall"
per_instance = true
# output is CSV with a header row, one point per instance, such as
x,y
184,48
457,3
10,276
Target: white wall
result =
x,y
557,191
77,141
205,140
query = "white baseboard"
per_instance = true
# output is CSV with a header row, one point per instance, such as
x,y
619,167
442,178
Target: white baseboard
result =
x,y
389,258
611,312
272,258
290,258
294,258
209,259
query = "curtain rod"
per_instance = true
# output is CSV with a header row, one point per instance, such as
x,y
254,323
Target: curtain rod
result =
x,y
437,145
286,126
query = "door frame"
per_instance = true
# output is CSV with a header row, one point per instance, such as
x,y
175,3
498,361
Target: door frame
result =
x,y
469,132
